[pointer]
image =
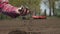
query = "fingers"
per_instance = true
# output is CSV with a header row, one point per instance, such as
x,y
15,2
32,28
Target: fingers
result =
x,y
22,11
17,11
25,12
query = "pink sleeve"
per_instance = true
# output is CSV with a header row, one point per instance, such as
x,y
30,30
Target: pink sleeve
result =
x,y
9,10
1,1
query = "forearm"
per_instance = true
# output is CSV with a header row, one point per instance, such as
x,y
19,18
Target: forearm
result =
x,y
12,11
11,14
9,10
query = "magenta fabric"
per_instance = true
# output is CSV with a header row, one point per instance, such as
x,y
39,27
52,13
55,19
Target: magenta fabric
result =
x,y
8,9
1,1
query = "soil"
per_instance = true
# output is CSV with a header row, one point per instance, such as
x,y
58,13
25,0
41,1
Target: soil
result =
x,y
51,25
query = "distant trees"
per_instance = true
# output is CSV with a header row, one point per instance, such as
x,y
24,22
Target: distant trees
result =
x,y
32,4
52,6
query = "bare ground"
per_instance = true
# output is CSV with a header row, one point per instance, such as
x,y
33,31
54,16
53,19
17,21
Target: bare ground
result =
x,y
51,25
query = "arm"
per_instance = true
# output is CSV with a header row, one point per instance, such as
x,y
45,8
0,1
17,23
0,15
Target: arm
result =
x,y
12,11
9,10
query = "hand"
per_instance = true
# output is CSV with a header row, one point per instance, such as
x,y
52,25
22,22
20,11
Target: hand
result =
x,y
23,11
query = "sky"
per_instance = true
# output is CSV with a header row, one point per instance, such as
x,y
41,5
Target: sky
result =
x,y
44,5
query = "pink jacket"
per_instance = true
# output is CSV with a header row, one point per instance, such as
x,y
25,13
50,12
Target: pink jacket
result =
x,y
8,9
